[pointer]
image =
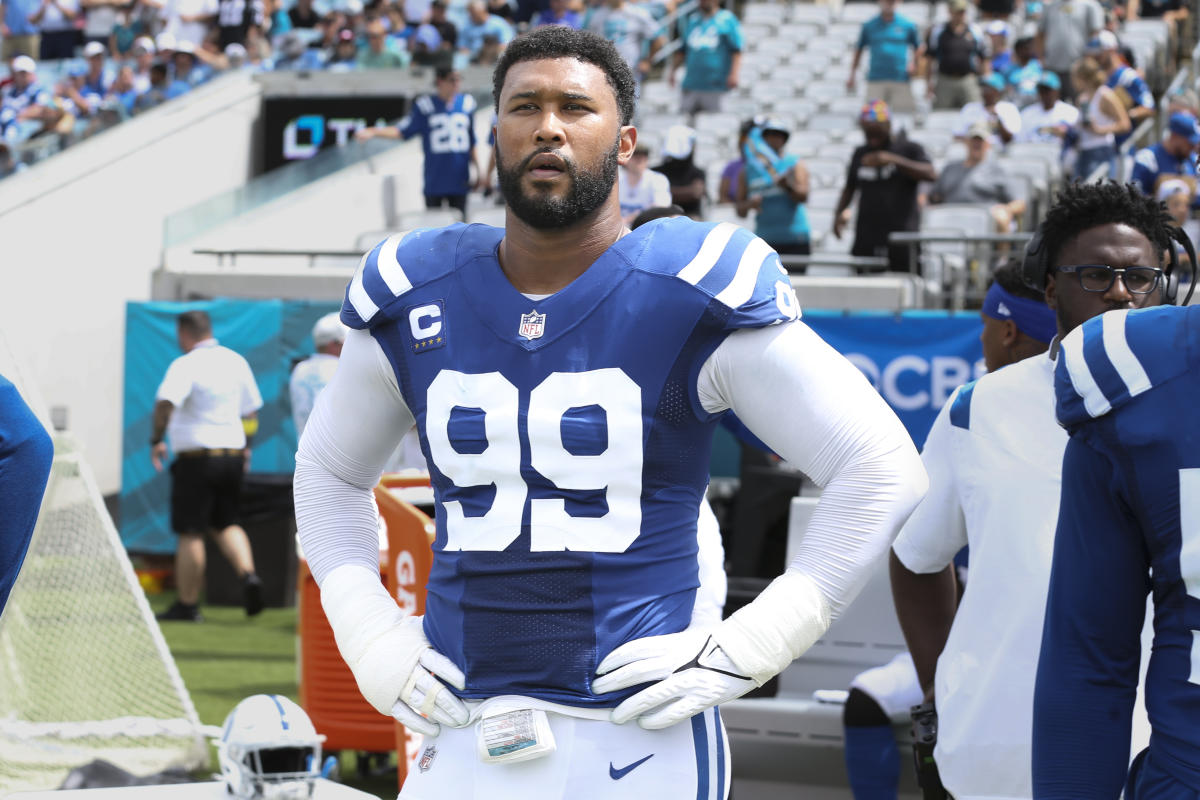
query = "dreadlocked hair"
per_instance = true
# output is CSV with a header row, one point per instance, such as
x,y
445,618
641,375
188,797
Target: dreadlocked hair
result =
x,y
1082,206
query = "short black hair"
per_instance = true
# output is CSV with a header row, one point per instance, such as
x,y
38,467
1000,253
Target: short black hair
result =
x,y
1008,275
559,41
195,323
653,213
1082,206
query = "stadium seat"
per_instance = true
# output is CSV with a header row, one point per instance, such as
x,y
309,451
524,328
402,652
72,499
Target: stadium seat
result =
x,y
857,13
823,198
812,14
826,173
768,13
941,120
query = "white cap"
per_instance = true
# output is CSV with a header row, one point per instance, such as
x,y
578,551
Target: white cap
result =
x,y
24,64
184,46
145,43
997,27
235,50
1107,40
680,142
165,41
93,49
329,329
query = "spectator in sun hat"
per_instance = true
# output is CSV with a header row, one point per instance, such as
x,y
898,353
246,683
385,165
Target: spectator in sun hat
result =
x,y
1002,117
885,173
775,184
1173,157
981,179
686,178
1049,119
96,81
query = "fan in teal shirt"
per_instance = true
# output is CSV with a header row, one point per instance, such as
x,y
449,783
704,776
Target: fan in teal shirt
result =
x,y
711,39
888,40
776,184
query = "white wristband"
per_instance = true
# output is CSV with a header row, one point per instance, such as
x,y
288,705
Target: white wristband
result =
x,y
786,619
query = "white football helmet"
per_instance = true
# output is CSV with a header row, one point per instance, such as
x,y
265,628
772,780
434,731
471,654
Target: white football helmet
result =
x,y
269,749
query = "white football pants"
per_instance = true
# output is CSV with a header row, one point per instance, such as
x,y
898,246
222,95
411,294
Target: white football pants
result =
x,y
593,760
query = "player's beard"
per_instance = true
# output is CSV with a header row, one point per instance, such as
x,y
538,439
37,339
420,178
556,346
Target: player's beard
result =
x,y
587,190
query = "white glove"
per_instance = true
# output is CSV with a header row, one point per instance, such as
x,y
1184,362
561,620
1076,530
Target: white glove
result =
x,y
393,663
700,668
692,673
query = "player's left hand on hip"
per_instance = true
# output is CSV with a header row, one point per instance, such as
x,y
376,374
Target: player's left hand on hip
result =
x,y
690,670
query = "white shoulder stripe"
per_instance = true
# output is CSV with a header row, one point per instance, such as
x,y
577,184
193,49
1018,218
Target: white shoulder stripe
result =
x,y
1119,353
389,268
1094,401
741,288
710,251
364,306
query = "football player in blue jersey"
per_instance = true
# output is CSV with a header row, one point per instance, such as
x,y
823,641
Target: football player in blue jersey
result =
x,y
445,121
565,375
1129,524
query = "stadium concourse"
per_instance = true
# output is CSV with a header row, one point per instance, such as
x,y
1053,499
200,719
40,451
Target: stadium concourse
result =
x,y
793,76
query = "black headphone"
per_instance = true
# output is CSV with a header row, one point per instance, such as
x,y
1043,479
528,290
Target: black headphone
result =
x,y
1035,265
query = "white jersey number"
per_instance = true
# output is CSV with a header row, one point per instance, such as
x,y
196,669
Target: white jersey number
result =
x,y
1189,552
617,470
448,133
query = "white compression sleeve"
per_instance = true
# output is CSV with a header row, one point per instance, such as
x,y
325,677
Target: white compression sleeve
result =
x,y
816,409
354,427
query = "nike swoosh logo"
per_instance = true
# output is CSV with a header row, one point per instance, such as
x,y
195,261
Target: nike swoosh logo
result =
x,y
617,774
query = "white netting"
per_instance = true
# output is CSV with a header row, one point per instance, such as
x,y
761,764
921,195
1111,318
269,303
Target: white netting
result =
x,y
84,670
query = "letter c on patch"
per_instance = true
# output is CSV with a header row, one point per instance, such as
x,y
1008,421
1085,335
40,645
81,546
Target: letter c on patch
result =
x,y
425,321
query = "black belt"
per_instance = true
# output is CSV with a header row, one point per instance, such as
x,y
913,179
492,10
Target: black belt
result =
x,y
221,451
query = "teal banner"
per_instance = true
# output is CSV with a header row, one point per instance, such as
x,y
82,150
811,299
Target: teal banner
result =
x,y
272,335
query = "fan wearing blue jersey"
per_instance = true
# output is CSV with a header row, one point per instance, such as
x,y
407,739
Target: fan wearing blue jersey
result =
x,y
994,457
566,375
445,121
1129,523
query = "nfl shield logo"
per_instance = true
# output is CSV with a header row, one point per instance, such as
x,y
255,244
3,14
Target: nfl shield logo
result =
x,y
533,325
427,758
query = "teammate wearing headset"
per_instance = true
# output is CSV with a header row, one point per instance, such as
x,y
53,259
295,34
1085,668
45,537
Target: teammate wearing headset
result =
x,y
1101,248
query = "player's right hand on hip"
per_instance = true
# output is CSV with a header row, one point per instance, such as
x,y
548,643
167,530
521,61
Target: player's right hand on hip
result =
x,y
399,675
396,669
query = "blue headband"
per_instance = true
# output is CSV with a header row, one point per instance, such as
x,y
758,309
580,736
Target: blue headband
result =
x,y
1033,318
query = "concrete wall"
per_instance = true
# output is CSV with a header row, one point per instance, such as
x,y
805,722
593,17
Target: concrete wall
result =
x,y
81,234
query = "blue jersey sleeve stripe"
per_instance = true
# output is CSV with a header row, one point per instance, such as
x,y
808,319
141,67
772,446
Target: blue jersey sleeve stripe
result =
x,y
357,295
710,251
960,410
1116,345
1094,401
389,267
741,288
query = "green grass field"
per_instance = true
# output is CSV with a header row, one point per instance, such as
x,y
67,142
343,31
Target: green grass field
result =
x,y
229,656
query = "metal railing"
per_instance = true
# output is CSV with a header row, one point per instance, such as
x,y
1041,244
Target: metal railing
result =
x,y
966,275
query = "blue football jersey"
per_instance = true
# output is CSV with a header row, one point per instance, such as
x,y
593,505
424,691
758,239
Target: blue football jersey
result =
x,y
567,447
447,135
1126,387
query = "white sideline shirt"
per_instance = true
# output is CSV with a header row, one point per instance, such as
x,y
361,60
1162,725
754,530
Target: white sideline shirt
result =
x,y
308,379
652,191
994,484
1036,120
212,388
